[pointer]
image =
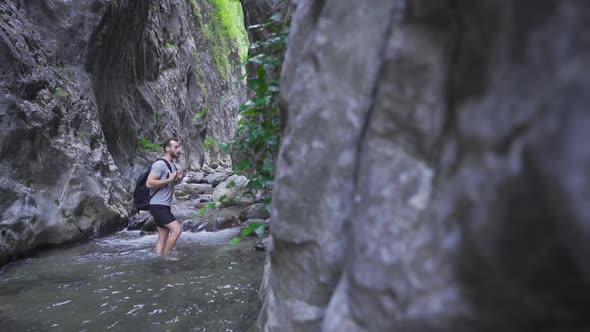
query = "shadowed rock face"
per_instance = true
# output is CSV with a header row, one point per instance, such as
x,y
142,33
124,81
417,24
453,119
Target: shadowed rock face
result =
x,y
80,83
434,171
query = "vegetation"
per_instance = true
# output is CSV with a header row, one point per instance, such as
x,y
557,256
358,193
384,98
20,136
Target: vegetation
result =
x,y
149,145
211,144
259,128
231,17
258,132
225,32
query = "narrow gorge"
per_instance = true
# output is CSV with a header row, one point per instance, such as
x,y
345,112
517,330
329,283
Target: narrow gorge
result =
x,y
428,169
87,89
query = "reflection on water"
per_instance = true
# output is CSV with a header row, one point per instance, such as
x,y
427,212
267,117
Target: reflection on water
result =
x,y
118,284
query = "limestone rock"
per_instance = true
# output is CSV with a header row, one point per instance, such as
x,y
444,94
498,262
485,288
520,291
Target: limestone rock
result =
x,y
455,135
229,222
195,177
216,178
232,191
254,211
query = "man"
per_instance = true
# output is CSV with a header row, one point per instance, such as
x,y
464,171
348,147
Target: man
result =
x,y
161,181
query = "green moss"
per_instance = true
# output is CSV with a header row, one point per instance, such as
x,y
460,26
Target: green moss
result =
x,y
229,13
225,32
200,77
168,44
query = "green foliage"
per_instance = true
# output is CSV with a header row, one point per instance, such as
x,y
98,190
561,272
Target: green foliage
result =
x,y
255,227
225,31
200,114
231,17
211,143
208,206
149,145
259,128
168,44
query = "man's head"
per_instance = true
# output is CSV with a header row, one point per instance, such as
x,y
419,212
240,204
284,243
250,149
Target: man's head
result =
x,y
172,147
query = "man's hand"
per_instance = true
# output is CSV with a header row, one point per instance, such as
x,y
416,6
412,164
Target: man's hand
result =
x,y
172,176
179,176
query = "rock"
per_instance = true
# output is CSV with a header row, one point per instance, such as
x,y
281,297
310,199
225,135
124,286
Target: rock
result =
x,y
211,227
213,166
138,221
252,221
216,178
190,188
182,196
184,215
255,211
236,193
455,135
229,222
195,177
193,226
263,244
149,225
205,198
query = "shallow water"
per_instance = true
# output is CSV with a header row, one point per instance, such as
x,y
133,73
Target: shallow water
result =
x,y
117,283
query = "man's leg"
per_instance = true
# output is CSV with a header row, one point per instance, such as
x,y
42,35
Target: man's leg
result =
x,y
162,237
175,230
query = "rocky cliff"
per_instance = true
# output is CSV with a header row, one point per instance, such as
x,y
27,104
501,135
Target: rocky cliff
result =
x,y
81,84
434,174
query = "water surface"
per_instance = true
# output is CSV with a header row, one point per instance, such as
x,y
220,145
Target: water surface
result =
x,y
117,283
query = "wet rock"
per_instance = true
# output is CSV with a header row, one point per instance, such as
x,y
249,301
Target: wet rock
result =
x,y
211,227
229,222
193,226
254,211
149,225
137,222
263,245
249,222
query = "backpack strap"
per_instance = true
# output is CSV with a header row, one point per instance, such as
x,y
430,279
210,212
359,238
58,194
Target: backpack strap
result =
x,y
167,163
169,168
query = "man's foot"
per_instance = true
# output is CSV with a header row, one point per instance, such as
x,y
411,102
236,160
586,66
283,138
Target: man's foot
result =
x,y
170,258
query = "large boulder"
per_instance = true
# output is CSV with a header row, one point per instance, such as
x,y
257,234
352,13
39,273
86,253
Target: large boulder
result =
x,y
455,136
233,191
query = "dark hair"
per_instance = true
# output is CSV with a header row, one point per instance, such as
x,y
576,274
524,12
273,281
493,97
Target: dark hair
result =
x,y
168,143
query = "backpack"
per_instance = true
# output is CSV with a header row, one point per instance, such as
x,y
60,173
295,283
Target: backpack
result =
x,y
141,194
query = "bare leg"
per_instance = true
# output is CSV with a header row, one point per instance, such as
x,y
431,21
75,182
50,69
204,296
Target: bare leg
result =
x,y
175,230
162,237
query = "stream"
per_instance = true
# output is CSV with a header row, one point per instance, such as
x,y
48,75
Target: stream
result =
x,y
117,283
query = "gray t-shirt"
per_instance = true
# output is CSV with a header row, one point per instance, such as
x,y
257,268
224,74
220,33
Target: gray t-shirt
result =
x,y
164,195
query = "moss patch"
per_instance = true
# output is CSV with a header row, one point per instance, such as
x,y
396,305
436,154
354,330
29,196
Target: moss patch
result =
x,y
225,32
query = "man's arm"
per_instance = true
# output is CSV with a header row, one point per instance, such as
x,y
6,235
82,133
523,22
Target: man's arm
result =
x,y
153,181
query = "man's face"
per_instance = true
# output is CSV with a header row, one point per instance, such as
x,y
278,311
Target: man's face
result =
x,y
174,149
